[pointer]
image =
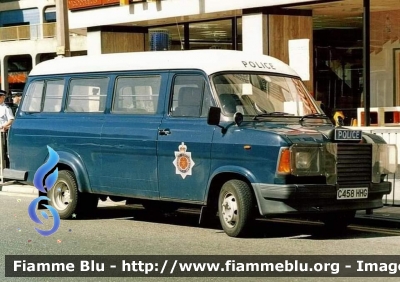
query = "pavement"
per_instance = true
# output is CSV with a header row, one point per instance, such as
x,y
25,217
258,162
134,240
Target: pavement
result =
x,y
387,216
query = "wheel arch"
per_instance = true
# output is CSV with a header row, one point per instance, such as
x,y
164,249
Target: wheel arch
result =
x,y
224,174
72,162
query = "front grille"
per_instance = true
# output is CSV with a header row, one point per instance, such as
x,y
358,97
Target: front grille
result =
x,y
354,163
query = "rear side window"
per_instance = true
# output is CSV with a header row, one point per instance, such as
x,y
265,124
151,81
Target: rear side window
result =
x,y
53,96
33,97
87,95
136,95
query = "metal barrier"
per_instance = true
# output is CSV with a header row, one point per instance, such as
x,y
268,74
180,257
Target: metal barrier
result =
x,y
392,136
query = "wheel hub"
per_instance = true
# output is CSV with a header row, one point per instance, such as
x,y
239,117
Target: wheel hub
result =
x,y
230,210
61,196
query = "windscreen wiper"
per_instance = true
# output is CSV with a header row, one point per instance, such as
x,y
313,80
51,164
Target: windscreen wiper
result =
x,y
314,115
271,114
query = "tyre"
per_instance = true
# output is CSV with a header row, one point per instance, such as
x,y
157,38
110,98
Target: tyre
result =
x,y
66,198
338,221
235,207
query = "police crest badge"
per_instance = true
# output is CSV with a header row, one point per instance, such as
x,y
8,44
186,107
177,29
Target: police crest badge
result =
x,y
183,161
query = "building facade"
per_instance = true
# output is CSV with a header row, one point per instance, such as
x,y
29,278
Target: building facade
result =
x,y
28,37
322,40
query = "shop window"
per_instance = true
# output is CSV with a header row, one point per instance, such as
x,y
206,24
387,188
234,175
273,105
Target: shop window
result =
x,y
211,35
202,35
175,36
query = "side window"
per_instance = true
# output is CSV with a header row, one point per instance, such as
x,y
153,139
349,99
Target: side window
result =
x,y
87,95
33,97
190,96
53,95
136,95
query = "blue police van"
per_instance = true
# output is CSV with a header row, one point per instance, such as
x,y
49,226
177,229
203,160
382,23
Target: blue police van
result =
x,y
233,133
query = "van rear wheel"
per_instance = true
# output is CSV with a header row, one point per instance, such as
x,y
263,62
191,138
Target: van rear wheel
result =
x,y
235,207
66,198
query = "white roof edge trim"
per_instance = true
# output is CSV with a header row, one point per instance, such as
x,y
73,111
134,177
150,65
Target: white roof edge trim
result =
x,y
209,61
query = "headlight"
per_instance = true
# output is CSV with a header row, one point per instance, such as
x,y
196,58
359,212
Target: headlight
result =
x,y
303,160
306,160
309,160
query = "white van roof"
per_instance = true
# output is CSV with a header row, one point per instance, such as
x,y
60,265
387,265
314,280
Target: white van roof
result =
x,y
210,61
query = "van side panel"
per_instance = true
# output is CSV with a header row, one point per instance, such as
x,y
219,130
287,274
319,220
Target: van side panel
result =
x,y
129,135
184,140
228,150
129,156
195,136
76,134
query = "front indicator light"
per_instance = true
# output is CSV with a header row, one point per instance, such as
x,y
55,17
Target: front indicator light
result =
x,y
284,161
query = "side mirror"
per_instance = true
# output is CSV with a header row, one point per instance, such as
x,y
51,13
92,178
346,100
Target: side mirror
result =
x,y
214,116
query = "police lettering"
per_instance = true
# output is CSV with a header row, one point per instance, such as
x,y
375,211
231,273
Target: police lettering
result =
x,y
349,134
258,65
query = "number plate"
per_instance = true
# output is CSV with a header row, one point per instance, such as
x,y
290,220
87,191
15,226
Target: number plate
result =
x,y
352,193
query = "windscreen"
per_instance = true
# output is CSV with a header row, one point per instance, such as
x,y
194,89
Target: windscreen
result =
x,y
257,94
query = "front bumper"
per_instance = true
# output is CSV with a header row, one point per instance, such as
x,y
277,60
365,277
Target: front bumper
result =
x,y
275,199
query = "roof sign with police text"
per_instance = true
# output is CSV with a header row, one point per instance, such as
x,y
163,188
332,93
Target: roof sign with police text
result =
x,y
346,134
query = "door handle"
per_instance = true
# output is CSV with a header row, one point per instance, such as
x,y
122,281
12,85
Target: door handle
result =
x,y
164,131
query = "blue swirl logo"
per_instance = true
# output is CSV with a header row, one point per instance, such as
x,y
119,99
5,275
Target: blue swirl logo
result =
x,y
43,175
45,169
34,217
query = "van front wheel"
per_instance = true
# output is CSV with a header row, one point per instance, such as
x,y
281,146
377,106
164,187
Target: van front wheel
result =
x,y
235,207
66,198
